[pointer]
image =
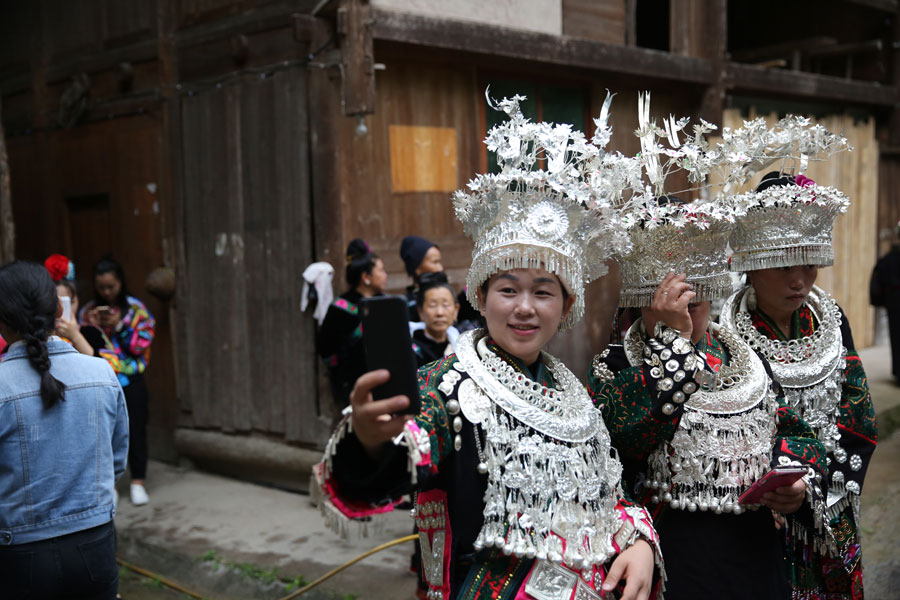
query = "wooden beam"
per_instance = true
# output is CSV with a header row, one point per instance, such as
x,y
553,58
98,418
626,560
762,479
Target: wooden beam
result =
x,y
715,23
865,47
808,86
106,59
783,49
482,39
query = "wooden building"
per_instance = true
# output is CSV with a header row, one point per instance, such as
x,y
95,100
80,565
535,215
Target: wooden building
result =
x,y
237,141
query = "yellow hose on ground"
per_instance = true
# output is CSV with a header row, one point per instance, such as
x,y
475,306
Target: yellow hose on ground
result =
x,y
299,592
334,572
162,580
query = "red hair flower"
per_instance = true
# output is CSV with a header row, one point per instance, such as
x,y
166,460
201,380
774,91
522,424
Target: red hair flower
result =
x,y
59,267
804,181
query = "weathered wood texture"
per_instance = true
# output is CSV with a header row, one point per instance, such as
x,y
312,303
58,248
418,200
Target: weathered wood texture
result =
x,y
856,174
412,95
599,20
89,191
541,48
354,26
248,349
792,84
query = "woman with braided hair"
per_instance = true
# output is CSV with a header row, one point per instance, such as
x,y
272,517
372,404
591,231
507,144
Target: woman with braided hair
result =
x,y
63,443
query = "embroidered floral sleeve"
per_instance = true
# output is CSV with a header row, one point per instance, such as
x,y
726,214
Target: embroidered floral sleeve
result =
x,y
642,404
627,409
856,421
796,445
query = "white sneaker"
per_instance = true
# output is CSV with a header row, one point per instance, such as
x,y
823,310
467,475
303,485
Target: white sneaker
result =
x,y
139,494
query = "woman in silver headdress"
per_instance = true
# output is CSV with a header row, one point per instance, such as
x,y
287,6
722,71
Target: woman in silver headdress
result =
x,y
696,417
518,490
780,243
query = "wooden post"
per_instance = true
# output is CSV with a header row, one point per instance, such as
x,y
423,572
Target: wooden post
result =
x,y
631,22
7,226
699,28
325,88
716,44
354,26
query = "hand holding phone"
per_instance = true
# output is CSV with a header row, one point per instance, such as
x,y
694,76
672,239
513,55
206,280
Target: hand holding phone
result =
x,y
385,333
376,422
771,481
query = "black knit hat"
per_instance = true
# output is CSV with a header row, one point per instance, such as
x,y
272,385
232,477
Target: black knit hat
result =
x,y
412,251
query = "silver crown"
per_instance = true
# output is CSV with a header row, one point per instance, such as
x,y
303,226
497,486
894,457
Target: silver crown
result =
x,y
696,248
670,235
526,217
786,225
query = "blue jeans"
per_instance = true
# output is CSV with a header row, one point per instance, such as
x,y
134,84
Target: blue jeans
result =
x,y
78,565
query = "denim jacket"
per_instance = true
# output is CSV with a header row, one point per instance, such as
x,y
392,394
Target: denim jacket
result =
x,y
58,466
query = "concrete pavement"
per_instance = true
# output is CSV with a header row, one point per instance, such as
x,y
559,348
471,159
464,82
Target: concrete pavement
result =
x,y
229,539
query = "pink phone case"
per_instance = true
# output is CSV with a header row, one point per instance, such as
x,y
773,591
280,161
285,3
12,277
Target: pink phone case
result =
x,y
770,481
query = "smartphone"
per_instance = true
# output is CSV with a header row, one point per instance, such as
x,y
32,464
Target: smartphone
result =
x,y
385,336
772,480
66,306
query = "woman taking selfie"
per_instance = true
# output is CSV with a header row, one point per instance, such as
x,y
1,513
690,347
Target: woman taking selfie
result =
x,y
63,443
129,326
518,494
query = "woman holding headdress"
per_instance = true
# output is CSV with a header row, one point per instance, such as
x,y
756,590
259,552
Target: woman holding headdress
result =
x,y
693,411
338,339
780,243
518,491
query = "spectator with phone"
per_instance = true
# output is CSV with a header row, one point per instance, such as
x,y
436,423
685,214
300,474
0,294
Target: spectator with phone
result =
x,y
87,339
63,444
780,244
338,339
434,336
518,490
130,328
419,257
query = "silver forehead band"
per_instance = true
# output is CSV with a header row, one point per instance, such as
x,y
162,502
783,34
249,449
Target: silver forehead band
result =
x,y
699,253
786,226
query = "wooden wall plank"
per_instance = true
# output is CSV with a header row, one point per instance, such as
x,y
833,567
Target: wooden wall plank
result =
x,y
203,149
599,20
248,234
